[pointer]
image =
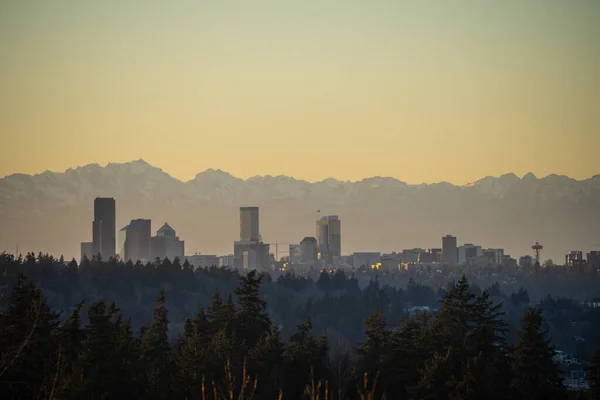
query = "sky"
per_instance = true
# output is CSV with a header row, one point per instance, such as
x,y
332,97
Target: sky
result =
x,y
424,91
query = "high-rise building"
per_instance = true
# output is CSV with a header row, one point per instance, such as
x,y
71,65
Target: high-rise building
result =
x,y
250,252
467,252
495,256
295,252
449,250
137,245
593,259
121,240
249,224
104,227
251,255
308,250
87,250
329,238
436,254
166,244
525,262
574,258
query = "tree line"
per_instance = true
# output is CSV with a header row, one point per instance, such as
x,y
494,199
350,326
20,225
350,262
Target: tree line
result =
x,y
233,350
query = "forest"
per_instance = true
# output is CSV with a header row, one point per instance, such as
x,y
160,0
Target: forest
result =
x,y
106,329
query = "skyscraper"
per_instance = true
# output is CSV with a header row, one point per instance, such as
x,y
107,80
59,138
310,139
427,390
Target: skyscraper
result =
x,y
137,243
329,238
250,252
449,250
249,224
104,227
308,250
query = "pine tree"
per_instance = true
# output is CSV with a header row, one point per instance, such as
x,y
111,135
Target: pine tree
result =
x,y
372,350
301,355
409,348
156,356
487,367
437,377
128,352
28,348
266,363
97,372
536,376
253,321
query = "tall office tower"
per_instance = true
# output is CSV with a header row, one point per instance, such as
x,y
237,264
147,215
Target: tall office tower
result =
x,y
137,243
249,224
329,237
104,227
308,250
449,250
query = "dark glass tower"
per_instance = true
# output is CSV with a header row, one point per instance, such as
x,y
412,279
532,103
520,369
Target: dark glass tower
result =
x,y
104,227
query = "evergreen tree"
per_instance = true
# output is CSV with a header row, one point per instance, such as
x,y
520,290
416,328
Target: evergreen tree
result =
x,y
437,377
409,348
156,356
28,348
302,355
372,350
536,376
266,362
253,321
97,371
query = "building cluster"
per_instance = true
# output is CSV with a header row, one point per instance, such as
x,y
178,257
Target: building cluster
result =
x,y
324,250
135,240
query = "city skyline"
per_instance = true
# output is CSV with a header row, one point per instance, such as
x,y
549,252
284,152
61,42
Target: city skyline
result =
x,y
379,213
462,91
321,251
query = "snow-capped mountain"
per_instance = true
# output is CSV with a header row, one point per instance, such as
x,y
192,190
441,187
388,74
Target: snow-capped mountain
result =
x,y
53,211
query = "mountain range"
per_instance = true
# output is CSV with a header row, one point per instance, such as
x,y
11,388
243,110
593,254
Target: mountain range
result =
x,y
52,212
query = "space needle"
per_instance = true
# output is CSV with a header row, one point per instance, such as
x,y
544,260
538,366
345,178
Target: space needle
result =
x,y
537,248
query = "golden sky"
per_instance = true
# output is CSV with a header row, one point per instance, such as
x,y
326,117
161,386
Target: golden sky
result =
x,y
424,91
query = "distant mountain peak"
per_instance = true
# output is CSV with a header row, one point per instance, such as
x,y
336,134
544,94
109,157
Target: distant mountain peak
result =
x,y
511,176
529,176
214,175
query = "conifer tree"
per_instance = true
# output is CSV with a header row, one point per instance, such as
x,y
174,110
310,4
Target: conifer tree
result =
x,y
28,348
536,375
409,348
372,350
253,321
156,356
266,363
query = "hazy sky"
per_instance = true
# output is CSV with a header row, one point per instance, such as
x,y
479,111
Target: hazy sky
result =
x,y
420,90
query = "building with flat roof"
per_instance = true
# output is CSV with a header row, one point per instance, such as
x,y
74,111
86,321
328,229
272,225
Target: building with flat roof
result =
x,y
449,250
137,246
249,229
309,251
329,238
87,250
104,227
467,252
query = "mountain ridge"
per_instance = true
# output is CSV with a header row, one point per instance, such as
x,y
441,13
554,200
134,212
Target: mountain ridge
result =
x,y
52,211
212,171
